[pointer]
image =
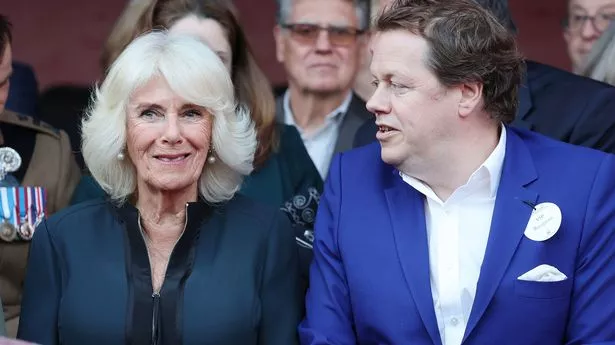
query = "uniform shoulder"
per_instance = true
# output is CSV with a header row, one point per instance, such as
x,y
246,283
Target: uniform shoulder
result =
x,y
29,122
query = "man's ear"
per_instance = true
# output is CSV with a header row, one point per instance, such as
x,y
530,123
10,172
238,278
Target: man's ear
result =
x,y
278,36
471,96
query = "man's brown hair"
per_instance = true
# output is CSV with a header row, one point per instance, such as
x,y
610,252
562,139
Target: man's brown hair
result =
x,y
467,44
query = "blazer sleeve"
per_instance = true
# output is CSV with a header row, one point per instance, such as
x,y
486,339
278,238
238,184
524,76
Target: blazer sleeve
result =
x,y
41,294
596,127
592,308
280,301
328,311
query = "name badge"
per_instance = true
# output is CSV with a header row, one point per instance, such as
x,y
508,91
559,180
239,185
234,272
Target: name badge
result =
x,y
544,222
22,210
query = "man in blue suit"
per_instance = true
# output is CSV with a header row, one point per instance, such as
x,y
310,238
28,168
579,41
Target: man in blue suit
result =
x,y
456,228
553,102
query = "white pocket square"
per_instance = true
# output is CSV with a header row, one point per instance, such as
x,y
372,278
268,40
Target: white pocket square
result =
x,y
543,273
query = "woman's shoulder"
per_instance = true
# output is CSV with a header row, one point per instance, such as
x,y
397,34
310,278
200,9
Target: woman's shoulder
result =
x,y
293,154
249,209
87,189
289,137
79,217
255,219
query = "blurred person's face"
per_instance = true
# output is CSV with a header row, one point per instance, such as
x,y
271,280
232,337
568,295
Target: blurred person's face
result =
x,y
6,70
167,138
586,21
318,60
210,32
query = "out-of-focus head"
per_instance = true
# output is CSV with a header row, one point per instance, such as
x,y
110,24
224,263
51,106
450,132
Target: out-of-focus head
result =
x,y
320,42
6,59
216,23
167,101
586,20
600,62
424,98
134,20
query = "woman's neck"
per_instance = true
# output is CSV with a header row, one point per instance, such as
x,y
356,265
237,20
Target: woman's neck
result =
x,y
163,213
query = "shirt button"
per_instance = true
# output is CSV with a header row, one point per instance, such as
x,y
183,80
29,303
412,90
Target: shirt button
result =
x,y
454,321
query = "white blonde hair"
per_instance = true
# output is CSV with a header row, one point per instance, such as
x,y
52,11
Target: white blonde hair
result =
x,y
600,62
193,72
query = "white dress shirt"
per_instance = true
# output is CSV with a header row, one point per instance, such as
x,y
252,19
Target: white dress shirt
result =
x,y
320,144
457,233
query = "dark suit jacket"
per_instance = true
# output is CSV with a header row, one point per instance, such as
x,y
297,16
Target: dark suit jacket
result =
x,y
558,104
356,116
231,279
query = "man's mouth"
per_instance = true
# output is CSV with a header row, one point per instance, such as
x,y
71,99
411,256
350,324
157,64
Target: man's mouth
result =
x,y
385,129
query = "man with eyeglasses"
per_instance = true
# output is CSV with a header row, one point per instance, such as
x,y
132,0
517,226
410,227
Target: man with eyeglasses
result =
x,y
320,42
585,22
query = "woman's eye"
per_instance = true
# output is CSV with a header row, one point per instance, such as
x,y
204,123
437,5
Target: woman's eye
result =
x,y
192,113
149,113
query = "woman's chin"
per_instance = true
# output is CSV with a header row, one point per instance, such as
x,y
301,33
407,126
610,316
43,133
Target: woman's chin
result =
x,y
171,184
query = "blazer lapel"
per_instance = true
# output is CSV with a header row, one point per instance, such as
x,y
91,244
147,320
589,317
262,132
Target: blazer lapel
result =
x,y
406,209
510,217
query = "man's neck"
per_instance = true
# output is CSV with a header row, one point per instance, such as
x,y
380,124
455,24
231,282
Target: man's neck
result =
x,y
310,110
451,167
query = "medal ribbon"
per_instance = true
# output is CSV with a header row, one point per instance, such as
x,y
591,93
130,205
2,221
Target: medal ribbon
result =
x,y
6,210
31,210
40,211
22,210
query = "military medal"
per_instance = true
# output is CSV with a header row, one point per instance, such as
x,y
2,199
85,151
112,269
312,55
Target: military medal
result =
x,y
10,161
24,226
40,210
7,231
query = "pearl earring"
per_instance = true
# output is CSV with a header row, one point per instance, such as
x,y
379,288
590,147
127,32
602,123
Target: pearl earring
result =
x,y
211,159
120,156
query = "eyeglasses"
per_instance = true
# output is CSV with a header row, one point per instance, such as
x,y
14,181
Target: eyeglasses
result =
x,y
308,33
600,21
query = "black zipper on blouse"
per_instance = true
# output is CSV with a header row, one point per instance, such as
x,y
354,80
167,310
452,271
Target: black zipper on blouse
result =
x,y
155,319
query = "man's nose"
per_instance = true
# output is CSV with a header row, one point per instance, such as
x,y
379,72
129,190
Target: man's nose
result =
x,y
588,30
323,42
379,102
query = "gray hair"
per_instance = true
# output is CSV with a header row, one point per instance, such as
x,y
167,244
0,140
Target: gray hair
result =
x,y
600,62
196,74
499,8
362,7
